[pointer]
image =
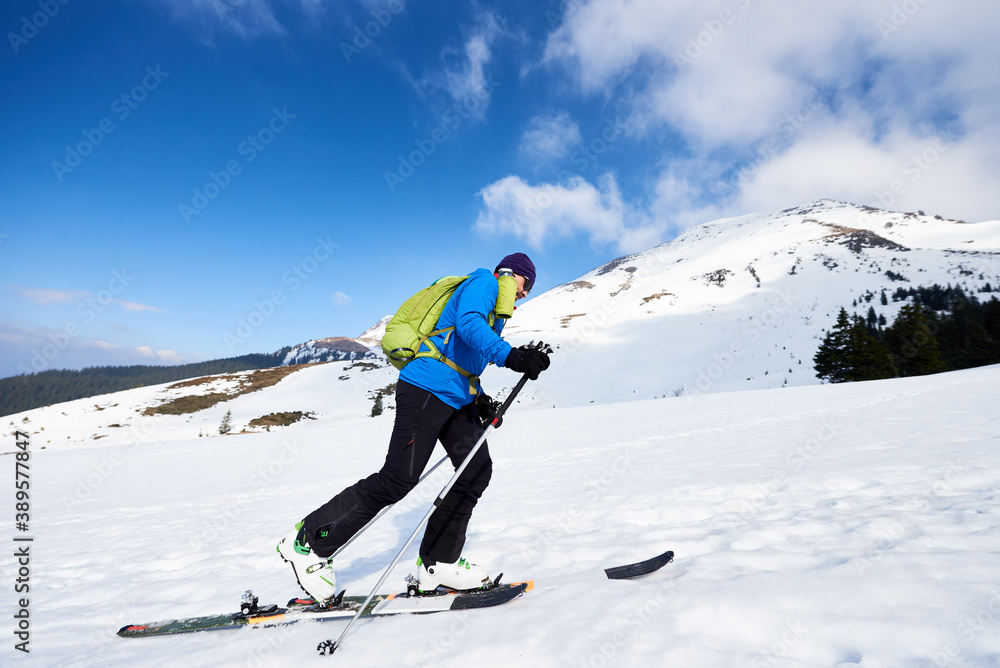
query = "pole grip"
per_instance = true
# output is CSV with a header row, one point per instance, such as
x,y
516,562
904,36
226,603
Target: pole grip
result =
x,y
513,394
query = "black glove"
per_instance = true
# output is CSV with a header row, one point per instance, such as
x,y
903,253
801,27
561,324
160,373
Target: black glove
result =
x,y
528,360
488,408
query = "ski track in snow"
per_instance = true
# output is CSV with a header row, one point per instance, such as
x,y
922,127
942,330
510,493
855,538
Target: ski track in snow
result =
x,y
848,525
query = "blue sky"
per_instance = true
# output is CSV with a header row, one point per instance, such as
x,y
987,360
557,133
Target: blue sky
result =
x,y
193,179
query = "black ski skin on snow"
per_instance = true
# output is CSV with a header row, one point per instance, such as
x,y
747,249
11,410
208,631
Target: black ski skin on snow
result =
x,y
640,568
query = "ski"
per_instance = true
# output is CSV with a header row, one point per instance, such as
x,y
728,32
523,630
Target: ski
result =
x,y
343,607
629,571
254,615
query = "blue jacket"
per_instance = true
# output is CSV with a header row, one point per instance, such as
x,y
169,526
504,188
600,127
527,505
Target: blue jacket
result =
x,y
472,345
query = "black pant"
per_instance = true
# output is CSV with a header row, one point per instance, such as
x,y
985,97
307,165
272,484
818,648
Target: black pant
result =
x,y
421,420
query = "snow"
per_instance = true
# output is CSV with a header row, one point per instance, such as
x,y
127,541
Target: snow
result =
x,y
813,525
657,323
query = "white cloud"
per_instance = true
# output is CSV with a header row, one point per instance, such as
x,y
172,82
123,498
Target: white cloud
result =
x,y
38,349
246,18
738,80
464,77
341,299
165,356
43,296
169,356
135,306
547,212
549,137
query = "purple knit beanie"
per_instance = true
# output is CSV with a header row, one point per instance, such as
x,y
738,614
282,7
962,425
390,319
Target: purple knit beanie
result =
x,y
519,263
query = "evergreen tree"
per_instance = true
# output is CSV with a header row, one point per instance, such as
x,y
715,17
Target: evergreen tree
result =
x,y
226,425
867,357
377,408
970,334
913,344
872,321
830,359
849,352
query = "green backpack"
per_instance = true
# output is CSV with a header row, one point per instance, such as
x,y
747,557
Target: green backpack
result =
x,y
416,321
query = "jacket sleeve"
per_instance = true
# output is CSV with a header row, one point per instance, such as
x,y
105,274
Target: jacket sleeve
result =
x,y
477,299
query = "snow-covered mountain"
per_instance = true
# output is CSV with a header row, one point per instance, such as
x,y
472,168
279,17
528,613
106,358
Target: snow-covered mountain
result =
x,y
742,303
836,525
338,348
734,304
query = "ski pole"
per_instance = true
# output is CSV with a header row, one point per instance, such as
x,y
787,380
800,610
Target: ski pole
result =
x,y
440,497
383,511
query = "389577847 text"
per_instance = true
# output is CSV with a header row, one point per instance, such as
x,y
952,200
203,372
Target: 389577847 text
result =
x,y
22,542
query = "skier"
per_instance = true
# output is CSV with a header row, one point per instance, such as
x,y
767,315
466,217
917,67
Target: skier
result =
x,y
433,402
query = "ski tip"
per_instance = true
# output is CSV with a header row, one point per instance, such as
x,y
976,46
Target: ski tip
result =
x,y
640,568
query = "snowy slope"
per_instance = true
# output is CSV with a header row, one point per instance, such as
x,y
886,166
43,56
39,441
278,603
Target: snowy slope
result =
x,y
741,303
834,525
333,390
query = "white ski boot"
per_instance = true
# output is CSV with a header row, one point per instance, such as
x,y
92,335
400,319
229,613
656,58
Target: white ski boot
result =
x,y
313,572
461,575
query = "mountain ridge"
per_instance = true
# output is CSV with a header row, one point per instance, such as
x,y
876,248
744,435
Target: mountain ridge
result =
x,y
734,304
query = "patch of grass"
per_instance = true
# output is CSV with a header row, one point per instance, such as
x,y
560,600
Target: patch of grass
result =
x,y
248,382
191,403
198,381
564,321
365,366
280,419
646,300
